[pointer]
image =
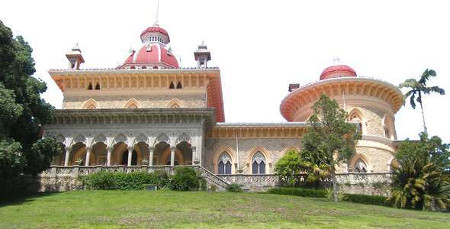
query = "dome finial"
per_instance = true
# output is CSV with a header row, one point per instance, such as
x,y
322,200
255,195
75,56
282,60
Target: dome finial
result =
x,y
336,60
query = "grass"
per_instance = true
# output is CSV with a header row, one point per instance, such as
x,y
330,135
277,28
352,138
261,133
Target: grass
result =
x,y
169,209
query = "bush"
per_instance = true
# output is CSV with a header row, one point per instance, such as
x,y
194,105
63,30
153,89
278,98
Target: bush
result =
x,y
18,186
186,179
234,188
124,181
319,193
365,199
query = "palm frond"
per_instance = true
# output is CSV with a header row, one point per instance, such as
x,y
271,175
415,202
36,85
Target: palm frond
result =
x,y
437,90
426,75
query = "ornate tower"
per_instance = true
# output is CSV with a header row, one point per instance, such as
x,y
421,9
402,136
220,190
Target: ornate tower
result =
x,y
154,53
75,58
202,56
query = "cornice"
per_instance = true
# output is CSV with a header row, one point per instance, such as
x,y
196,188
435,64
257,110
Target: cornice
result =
x,y
127,117
358,87
258,130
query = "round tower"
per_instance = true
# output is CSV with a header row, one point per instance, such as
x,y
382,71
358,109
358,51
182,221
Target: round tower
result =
x,y
370,103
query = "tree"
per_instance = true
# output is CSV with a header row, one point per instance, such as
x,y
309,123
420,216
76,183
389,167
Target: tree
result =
x,y
418,88
22,111
289,167
419,180
330,140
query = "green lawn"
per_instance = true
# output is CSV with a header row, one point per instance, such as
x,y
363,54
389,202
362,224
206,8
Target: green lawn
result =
x,y
106,209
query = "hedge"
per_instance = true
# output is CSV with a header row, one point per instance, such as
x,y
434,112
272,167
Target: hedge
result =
x,y
365,199
318,193
124,181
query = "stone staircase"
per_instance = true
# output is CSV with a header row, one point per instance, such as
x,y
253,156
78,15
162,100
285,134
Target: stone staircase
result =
x,y
211,178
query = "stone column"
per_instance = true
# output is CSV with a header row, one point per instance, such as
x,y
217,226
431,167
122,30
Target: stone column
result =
x,y
108,156
130,155
172,156
66,158
194,156
88,155
150,156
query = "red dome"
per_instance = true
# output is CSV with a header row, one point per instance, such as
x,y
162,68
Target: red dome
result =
x,y
337,71
155,29
151,55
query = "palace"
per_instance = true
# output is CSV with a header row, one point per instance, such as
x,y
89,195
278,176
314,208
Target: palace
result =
x,y
149,112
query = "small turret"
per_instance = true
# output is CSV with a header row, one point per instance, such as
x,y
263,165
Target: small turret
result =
x,y
75,58
202,56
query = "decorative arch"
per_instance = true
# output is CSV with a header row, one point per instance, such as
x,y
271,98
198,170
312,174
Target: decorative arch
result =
x,y
90,104
132,104
218,153
141,137
360,166
162,138
120,138
175,103
79,138
358,162
183,138
355,115
263,168
388,127
99,138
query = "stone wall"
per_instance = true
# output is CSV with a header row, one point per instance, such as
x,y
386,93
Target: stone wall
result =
x,y
59,178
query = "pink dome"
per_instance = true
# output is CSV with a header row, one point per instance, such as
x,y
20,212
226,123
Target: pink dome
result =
x,y
155,29
151,55
337,71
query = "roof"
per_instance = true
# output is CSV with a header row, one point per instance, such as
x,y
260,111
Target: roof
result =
x,y
336,71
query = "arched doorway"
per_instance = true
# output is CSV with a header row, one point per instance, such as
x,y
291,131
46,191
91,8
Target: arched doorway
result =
x,y
184,153
100,152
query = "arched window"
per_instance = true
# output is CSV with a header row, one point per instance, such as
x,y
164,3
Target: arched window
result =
x,y
258,163
90,86
360,167
356,117
172,86
224,163
179,85
97,87
143,67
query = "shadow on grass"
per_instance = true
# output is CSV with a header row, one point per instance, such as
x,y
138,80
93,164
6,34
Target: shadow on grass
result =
x,y
23,198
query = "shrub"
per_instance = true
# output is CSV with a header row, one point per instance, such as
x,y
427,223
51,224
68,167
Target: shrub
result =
x,y
124,181
234,188
365,199
213,188
319,193
186,179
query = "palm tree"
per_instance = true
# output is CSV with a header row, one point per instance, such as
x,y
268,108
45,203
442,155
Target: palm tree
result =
x,y
418,88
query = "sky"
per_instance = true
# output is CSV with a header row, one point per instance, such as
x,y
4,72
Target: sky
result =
x,y
260,46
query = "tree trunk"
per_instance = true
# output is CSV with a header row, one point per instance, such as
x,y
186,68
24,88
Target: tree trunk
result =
x,y
423,118
334,184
